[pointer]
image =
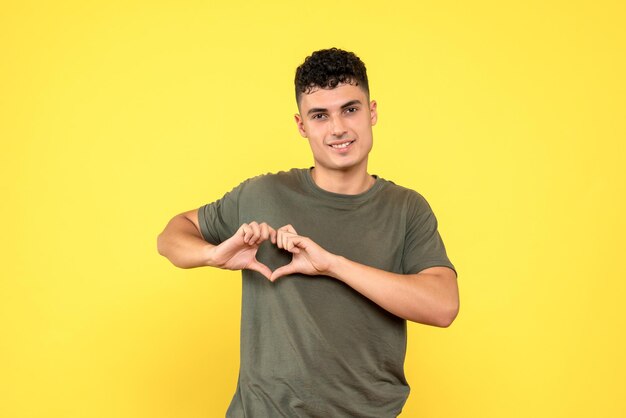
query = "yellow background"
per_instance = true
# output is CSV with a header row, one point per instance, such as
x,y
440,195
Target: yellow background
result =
x,y
116,115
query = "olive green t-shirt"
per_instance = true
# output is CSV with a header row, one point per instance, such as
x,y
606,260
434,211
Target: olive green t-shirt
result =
x,y
312,346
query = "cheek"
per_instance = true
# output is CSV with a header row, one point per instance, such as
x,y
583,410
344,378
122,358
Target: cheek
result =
x,y
317,146
316,135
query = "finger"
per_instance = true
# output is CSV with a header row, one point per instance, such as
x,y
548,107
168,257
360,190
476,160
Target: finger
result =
x,y
286,238
283,271
288,228
256,233
261,268
292,244
265,232
248,235
280,241
246,231
273,234
283,237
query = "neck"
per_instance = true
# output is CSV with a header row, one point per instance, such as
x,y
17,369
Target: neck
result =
x,y
342,182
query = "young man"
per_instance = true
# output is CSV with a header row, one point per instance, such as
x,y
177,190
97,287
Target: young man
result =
x,y
334,261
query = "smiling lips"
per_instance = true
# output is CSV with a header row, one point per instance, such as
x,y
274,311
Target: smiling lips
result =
x,y
341,145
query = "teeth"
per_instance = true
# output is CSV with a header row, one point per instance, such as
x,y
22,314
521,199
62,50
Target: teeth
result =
x,y
344,145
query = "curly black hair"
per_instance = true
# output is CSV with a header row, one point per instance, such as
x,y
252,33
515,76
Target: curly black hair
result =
x,y
327,68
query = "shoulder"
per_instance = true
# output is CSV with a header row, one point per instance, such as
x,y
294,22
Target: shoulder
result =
x,y
280,177
413,200
267,182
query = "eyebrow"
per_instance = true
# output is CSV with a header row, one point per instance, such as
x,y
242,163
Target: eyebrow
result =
x,y
320,109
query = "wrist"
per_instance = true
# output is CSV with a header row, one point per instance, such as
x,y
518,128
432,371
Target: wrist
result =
x,y
208,255
336,266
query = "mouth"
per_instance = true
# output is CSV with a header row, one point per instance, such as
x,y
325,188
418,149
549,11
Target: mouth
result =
x,y
341,145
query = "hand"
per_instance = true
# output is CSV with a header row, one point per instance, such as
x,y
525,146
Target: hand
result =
x,y
239,251
308,257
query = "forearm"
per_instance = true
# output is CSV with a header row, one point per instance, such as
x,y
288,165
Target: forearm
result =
x,y
182,244
425,298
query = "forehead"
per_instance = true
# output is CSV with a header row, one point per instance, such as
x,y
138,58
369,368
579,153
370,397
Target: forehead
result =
x,y
332,98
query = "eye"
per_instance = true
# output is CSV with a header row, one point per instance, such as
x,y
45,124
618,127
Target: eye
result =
x,y
351,109
318,116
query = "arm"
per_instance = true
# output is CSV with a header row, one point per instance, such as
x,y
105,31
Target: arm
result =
x,y
182,243
428,297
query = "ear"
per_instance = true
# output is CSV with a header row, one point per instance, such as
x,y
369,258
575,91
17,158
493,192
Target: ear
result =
x,y
373,112
300,124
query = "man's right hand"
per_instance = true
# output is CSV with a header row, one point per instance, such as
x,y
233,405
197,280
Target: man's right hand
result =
x,y
239,251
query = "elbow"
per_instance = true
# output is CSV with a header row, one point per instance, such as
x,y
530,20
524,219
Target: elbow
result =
x,y
161,245
447,317
162,249
450,308
442,318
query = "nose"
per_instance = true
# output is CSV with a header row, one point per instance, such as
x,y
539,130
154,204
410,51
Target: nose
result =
x,y
337,127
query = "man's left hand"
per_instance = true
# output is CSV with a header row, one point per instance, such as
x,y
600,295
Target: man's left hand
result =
x,y
308,257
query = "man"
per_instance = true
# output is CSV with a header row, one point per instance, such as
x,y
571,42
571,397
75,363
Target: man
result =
x,y
334,261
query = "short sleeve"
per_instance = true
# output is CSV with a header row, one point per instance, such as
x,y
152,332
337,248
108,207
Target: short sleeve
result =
x,y
220,220
423,246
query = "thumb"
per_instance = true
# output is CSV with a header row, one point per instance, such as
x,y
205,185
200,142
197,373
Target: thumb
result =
x,y
257,266
283,271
